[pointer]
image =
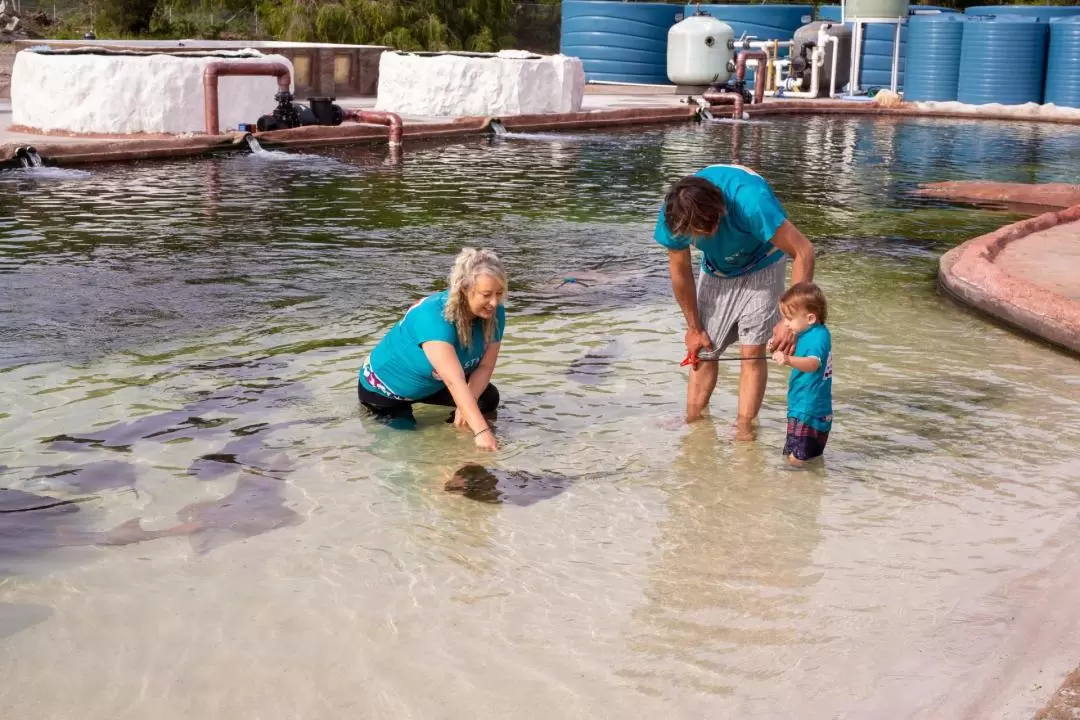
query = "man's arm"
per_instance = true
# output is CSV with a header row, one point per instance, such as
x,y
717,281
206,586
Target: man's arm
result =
x,y
682,284
789,239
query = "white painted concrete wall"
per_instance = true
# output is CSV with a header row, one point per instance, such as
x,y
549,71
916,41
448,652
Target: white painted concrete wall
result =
x,y
458,86
129,94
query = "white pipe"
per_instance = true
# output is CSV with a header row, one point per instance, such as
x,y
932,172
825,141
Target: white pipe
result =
x,y
832,74
764,44
896,57
856,41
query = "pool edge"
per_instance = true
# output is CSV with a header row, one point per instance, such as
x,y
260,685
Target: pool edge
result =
x,y
970,274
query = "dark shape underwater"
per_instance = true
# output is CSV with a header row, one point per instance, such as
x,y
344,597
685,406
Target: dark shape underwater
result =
x,y
511,487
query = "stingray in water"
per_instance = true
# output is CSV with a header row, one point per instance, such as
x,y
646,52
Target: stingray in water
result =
x,y
32,524
255,507
253,392
595,365
246,451
513,487
91,478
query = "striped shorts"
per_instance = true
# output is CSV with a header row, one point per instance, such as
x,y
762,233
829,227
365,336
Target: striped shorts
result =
x,y
744,308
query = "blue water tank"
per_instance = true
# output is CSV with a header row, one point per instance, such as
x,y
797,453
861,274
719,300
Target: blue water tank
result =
x,y
763,22
1043,12
1062,79
619,41
829,13
1004,60
875,64
933,56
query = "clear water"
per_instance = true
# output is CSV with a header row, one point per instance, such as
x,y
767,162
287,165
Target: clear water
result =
x,y
177,333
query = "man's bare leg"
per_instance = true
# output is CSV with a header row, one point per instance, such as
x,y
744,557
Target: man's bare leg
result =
x,y
702,384
752,378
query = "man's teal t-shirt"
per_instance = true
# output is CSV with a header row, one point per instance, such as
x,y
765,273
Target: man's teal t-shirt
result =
x,y
400,363
810,394
742,242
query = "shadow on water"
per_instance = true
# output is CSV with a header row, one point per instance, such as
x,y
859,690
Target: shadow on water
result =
x,y
732,568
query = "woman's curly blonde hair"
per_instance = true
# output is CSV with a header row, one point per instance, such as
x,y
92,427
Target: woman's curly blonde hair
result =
x,y
469,266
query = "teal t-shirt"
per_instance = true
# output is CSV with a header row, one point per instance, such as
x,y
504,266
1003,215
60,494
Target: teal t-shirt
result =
x,y
399,360
810,394
743,240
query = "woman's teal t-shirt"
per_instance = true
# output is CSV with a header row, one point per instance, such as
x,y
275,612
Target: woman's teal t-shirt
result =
x,y
399,361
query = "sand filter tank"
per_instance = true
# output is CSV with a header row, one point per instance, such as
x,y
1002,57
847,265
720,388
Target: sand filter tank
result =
x,y
700,51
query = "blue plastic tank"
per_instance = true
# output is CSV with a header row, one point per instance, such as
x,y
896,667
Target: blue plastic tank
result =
x,y
1003,59
829,13
1062,81
933,56
1043,12
622,42
876,53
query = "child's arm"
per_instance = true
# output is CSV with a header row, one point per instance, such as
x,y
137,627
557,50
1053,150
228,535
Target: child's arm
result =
x,y
805,364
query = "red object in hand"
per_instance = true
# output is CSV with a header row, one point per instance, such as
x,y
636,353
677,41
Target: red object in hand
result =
x,y
690,359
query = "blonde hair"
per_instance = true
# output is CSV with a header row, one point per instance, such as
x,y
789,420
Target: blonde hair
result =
x,y
469,266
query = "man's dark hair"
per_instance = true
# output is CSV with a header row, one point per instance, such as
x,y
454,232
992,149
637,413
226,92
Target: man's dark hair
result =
x,y
693,206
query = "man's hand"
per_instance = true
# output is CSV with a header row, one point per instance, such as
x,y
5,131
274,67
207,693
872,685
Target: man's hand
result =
x,y
696,340
783,339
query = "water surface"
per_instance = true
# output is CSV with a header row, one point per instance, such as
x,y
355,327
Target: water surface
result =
x,y
179,344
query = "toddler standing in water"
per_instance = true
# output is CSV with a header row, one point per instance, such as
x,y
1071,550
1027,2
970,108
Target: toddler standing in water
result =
x,y
810,385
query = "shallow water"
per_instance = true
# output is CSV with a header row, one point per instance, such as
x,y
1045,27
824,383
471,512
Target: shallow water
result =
x,y
177,333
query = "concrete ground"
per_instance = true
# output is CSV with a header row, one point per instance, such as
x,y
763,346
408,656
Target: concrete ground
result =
x,y
1049,259
1026,275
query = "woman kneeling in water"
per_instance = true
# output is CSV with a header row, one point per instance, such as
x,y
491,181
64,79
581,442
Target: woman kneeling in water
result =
x,y
443,351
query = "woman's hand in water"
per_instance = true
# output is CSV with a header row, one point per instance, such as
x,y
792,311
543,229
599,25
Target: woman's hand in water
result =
x,y
485,440
459,419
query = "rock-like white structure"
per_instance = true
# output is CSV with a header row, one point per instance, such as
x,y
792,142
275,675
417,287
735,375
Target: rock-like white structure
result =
x,y
122,94
511,82
1027,110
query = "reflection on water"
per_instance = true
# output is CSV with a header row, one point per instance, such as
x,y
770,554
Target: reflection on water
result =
x,y
178,350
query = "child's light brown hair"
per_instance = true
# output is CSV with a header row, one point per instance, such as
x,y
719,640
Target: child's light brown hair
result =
x,y
805,296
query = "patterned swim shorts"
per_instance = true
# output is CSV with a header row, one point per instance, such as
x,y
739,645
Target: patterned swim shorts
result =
x,y
804,441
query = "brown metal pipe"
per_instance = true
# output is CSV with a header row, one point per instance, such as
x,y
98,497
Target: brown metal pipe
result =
x,y
375,117
719,98
759,77
216,69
